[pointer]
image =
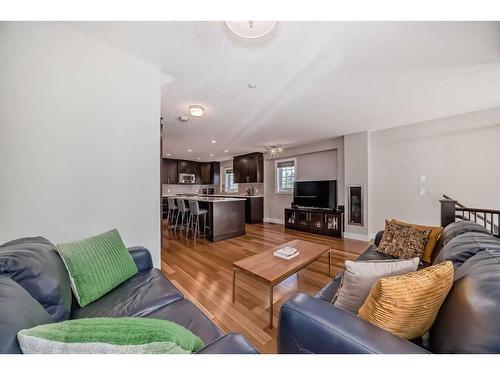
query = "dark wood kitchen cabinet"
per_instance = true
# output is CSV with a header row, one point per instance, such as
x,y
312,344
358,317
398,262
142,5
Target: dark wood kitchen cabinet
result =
x,y
210,173
187,166
254,210
169,171
249,168
206,173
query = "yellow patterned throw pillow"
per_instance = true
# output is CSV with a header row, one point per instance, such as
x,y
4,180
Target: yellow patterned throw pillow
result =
x,y
406,305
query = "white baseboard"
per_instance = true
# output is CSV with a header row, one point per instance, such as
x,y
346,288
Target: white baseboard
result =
x,y
356,236
273,221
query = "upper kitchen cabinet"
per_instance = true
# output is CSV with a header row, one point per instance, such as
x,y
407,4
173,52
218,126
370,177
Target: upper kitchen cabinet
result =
x,y
249,168
210,173
205,173
186,166
170,175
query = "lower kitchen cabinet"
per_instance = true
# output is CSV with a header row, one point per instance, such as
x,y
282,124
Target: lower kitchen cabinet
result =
x,y
254,210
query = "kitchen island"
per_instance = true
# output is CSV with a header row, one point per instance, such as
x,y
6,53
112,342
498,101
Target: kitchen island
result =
x,y
254,205
226,216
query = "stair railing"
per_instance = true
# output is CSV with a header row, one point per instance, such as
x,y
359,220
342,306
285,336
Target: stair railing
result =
x,y
451,210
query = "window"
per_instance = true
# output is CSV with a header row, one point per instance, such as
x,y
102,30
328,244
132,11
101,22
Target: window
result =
x,y
230,185
285,176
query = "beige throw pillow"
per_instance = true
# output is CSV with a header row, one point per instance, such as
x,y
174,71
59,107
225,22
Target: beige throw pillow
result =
x,y
359,276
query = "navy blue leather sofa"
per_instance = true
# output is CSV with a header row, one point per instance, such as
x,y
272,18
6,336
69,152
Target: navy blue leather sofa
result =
x,y
35,289
468,321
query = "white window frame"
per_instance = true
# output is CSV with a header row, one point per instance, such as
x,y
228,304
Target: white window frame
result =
x,y
277,188
226,185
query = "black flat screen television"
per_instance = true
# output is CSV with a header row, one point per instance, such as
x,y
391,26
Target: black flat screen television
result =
x,y
315,194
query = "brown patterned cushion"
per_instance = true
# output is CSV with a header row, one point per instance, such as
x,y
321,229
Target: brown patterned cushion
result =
x,y
403,241
431,241
408,304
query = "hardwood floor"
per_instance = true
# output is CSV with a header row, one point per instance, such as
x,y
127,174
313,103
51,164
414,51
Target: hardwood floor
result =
x,y
202,271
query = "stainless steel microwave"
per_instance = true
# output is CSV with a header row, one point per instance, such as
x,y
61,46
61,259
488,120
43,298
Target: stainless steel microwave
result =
x,y
187,178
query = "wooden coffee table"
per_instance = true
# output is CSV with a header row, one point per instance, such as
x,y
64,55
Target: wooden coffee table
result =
x,y
271,270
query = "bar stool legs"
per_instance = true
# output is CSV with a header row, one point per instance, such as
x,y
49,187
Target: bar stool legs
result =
x,y
195,224
171,216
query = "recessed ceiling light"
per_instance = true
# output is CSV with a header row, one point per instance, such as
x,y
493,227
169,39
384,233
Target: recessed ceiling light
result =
x,y
197,158
226,150
210,154
189,150
213,141
182,119
196,110
252,85
168,154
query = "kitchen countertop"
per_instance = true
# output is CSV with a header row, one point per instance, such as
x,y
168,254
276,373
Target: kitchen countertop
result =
x,y
243,196
211,199
231,195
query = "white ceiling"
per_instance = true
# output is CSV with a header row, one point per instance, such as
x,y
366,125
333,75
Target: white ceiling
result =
x,y
315,80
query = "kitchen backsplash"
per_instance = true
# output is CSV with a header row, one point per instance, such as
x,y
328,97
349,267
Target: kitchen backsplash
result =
x,y
242,188
186,189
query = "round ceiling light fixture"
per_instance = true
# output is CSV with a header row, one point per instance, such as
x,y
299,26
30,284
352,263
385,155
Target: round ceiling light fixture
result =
x,y
274,151
251,29
196,110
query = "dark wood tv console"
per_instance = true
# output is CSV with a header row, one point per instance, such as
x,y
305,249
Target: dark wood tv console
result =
x,y
312,220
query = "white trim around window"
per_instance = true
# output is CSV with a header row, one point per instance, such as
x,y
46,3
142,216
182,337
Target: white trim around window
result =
x,y
285,175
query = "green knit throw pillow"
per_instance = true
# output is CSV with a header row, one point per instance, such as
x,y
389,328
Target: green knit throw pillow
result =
x,y
97,265
109,336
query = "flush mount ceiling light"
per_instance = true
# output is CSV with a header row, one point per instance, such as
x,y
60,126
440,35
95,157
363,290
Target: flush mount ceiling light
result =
x,y
196,110
251,29
274,151
213,141
252,85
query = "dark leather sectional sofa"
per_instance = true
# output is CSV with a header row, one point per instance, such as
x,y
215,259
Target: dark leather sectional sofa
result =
x,y
35,289
468,321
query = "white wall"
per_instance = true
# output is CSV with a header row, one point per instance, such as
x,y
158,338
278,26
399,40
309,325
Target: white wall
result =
x,y
319,161
79,138
459,156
